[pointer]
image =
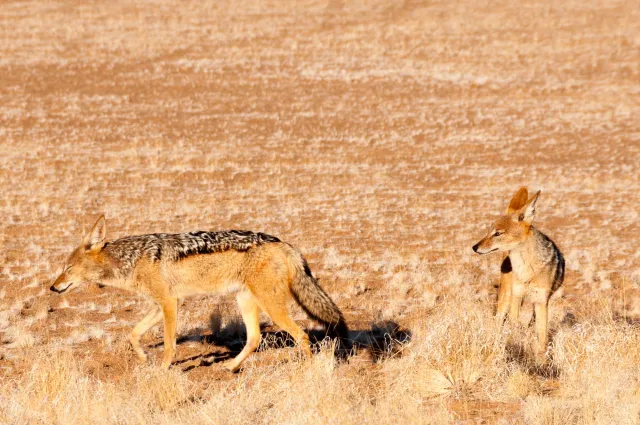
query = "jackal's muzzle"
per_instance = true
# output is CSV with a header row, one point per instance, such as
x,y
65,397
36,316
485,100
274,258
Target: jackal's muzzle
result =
x,y
60,285
478,249
59,290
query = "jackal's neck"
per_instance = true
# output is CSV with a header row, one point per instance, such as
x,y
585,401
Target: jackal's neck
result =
x,y
117,282
113,272
528,258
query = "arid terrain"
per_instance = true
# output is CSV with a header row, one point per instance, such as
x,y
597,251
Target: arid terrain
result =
x,y
380,138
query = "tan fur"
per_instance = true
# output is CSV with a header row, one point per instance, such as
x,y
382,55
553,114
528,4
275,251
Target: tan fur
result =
x,y
537,266
264,272
518,201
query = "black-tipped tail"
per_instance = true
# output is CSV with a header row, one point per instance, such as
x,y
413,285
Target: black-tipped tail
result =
x,y
317,303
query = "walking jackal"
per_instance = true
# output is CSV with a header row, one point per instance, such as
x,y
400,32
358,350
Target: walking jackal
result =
x,y
264,272
536,266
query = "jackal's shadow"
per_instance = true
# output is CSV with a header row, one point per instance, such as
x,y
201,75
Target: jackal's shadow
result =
x,y
518,353
380,340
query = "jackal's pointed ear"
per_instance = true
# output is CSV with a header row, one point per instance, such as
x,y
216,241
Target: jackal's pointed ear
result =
x,y
95,238
527,212
519,199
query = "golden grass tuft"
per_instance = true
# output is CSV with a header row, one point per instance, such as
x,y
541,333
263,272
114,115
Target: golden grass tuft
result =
x,y
520,384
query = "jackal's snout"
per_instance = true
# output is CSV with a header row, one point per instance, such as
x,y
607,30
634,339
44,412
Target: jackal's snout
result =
x,y
61,284
485,246
54,289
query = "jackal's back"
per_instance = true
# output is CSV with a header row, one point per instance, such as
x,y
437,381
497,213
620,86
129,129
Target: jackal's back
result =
x,y
177,246
549,253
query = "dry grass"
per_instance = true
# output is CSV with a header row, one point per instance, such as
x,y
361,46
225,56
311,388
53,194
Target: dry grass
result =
x,y
379,138
456,359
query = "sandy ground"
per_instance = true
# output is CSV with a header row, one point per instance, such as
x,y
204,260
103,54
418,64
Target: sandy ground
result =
x,y
380,138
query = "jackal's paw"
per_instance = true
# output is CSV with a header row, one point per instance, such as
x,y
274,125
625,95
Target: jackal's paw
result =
x,y
231,365
139,352
541,357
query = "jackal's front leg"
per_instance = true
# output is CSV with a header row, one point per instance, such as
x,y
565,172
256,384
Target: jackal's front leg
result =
x,y
504,297
150,320
170,312
517,293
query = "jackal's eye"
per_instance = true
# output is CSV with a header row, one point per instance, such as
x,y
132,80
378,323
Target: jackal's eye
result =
x,y
498,232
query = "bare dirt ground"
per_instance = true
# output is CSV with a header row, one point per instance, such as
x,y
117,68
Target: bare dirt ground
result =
x,y
380,138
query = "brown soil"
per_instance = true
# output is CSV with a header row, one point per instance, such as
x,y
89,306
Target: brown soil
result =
x,y
380,138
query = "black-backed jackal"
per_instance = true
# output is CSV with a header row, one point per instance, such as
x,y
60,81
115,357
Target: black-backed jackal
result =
x,y
264,272
535,269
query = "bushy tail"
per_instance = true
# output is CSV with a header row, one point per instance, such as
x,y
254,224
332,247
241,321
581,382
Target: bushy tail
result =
x,y
315,302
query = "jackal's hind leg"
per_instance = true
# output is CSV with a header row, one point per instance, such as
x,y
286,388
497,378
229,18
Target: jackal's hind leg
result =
x,y
280,316
542,310
251,317
272,292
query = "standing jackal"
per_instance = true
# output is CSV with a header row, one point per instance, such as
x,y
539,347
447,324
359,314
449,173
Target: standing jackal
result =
x,y
537,266
264,272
